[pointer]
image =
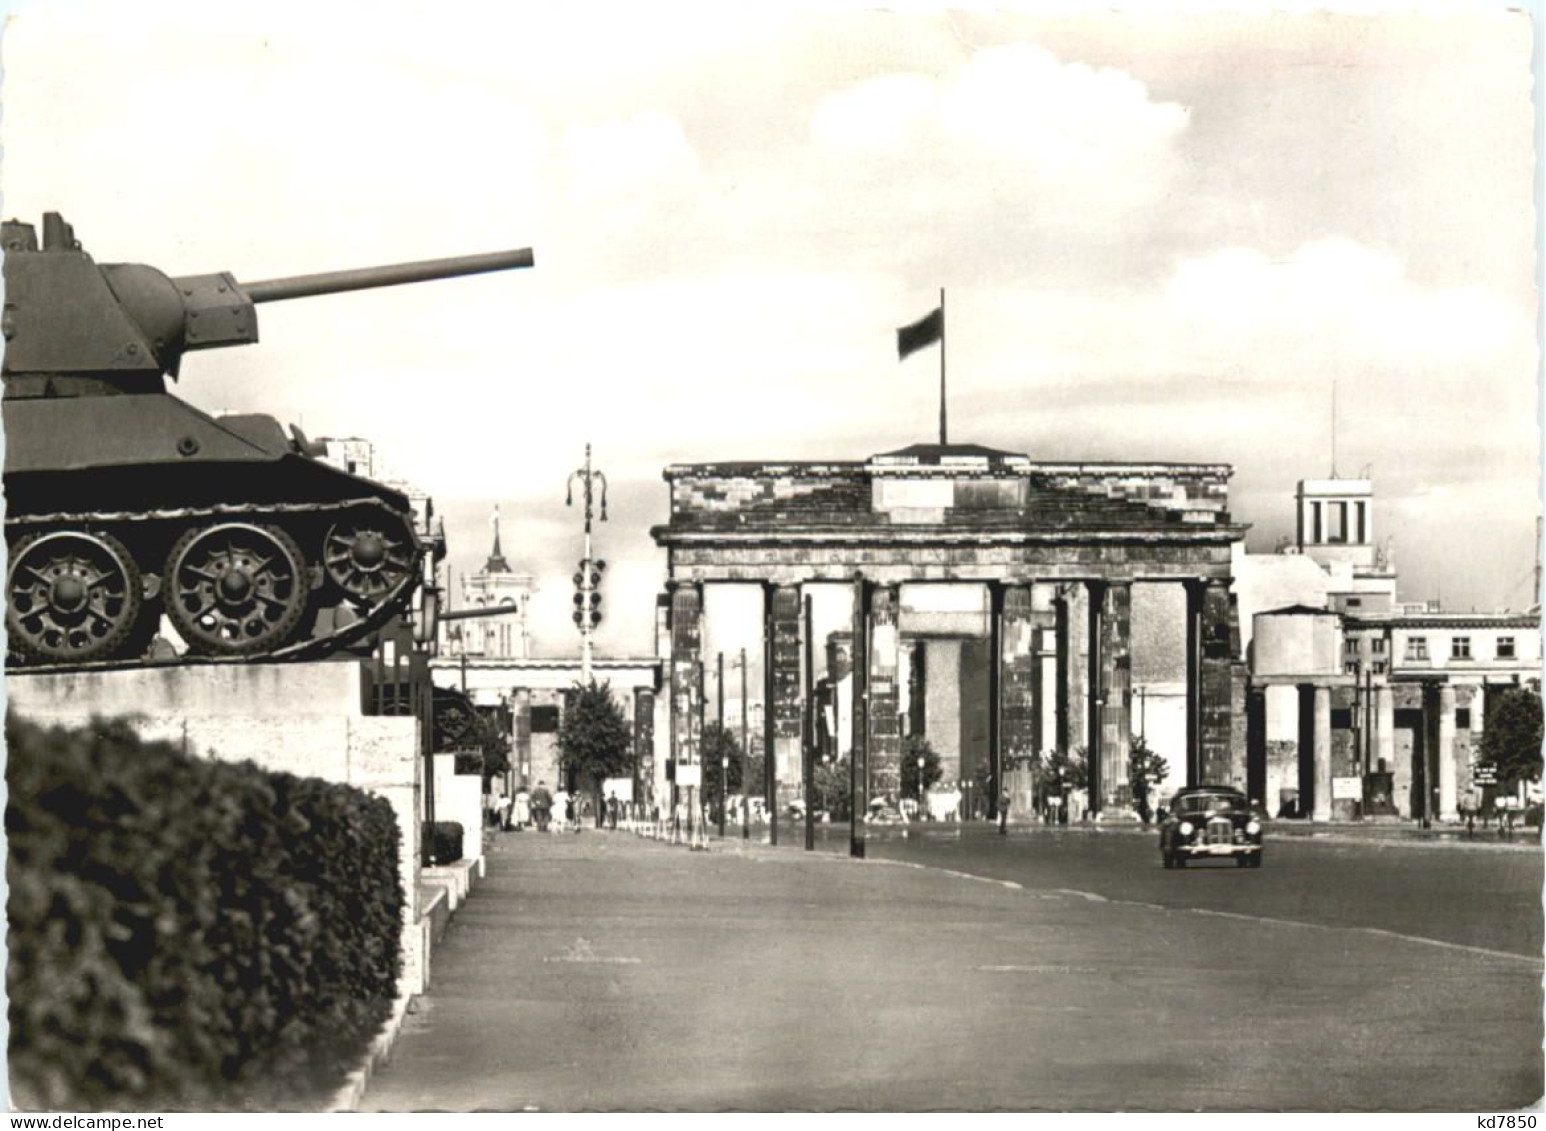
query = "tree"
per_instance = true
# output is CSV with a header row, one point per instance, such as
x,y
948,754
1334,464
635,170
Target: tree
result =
x,y
833,791
721,743
493,740
1511,739
594,739
914,748
1145,769
1063,773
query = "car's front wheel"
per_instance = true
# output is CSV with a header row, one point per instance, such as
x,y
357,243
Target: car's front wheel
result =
x,y
1256,860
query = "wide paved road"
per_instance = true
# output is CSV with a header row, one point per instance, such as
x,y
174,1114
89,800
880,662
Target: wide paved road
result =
x,y
599,971
1479,893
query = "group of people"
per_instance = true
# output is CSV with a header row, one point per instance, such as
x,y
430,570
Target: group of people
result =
x,y
547,811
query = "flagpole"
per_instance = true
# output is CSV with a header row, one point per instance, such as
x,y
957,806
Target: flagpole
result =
x,y
942,440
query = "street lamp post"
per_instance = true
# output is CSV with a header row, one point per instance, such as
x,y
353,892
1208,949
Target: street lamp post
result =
x,y
920,787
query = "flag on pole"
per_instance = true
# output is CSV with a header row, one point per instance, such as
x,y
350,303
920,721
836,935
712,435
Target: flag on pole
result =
x,y
924,332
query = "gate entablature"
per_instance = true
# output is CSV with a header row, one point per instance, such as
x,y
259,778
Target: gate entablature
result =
x,y
947,513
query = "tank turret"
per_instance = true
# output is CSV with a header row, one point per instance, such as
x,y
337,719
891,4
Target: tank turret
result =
x,y
126,504
76,328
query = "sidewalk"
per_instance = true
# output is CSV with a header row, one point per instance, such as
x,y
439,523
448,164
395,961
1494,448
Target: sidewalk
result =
x,y
603,971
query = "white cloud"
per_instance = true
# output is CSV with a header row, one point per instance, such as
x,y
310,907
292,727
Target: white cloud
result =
x,y
1012,121
617,161
1337,296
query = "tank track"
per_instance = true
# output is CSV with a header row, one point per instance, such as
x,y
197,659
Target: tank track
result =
x,y
312,648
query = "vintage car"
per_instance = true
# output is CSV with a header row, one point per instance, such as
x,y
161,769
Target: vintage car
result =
x,y
1210,822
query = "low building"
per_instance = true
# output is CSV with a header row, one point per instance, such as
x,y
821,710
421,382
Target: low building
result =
x,y
1361,705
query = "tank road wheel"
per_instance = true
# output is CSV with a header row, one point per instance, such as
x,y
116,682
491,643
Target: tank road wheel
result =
x,y
71,597
235,589
453,716
368,556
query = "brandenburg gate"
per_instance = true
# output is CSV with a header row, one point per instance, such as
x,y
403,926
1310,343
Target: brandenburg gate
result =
x,y
941,556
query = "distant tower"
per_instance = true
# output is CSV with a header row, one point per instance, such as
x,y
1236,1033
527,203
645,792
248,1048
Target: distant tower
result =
x,y
496,585
1335,529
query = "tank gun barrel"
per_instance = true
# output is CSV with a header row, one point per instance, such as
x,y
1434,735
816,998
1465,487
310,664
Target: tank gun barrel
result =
x,y
363,278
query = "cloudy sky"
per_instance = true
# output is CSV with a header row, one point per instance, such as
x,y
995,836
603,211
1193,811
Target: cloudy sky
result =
x,y
1164,236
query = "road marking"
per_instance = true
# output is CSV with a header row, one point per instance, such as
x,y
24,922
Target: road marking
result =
x,y
1036,969
1268,920
1089,895
583,951
1096,897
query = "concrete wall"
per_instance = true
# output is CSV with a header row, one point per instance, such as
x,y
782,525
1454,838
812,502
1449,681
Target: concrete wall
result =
x,y
1297,644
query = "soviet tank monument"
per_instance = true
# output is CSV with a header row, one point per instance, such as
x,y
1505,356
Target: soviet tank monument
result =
x,y
125,503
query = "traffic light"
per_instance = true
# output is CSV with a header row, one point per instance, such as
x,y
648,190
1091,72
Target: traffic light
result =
x,y
587,598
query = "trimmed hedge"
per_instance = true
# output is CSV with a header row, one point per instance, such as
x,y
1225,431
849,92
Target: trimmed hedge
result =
x,y
445,841
190,934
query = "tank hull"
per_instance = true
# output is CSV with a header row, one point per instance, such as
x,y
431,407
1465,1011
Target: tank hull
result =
x,y
310,560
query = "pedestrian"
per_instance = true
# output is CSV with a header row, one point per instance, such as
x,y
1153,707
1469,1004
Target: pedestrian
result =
x,y
563,811
520,812
542,806
611,810
1003,811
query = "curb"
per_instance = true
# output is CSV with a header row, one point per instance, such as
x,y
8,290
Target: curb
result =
x,y
348,1097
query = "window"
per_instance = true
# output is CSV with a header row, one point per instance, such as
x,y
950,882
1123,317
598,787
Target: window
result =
x,y
1337,515
1506,648
1351,646
1462,718
1460,648
1355,602
1350,667
544,720
1378,645
1416,647
1379,667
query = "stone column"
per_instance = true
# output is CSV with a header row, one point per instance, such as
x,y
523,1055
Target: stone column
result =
x,y
1095,688
787,700
885,761
520,708
686,653
1322,749
1384,729
917,689
1116,682
1194,605
1017,690
1062,689
1111,679
643,742
1216,732
1448,810
1046,735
